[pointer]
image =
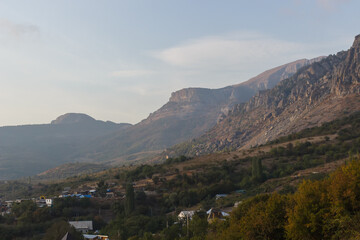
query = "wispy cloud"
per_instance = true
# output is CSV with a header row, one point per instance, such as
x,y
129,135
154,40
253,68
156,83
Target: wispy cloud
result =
x,y
16,30
230,52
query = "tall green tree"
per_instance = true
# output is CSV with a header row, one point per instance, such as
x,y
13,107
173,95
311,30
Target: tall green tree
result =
x,y
129,199
102,188
257,170
58,230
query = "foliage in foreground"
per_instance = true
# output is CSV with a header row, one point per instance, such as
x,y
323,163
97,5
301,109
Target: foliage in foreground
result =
x,y
327,209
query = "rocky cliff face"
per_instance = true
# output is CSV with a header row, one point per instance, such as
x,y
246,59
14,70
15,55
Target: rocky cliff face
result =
x,y
320,92
270,78
189,113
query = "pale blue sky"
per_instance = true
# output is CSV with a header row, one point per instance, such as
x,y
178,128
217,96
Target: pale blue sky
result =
x,y
120,60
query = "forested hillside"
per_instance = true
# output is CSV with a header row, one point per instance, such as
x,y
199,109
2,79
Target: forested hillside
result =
x,y
161,191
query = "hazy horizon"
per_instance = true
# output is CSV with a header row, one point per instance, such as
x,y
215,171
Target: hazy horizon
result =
x,y
120,61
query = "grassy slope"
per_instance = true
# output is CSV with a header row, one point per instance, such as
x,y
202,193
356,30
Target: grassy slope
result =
x,y
314,152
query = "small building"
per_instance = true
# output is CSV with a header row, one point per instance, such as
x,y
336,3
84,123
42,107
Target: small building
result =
x,y
240,191
9,203
183,215
95,237
236,204
49,202
215,213
40,202
82,226
4,210
218,196
85,196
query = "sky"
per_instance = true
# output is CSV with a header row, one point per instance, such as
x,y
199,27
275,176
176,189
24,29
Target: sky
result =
x,y
120,60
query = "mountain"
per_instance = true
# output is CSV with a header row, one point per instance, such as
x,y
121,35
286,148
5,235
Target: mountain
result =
x,y
73,118
270,78
75,137
189,113
321,92
30,149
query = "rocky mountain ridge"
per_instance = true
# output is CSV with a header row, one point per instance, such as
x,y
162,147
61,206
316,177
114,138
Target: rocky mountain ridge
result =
x,y
189,113
320,92
75,137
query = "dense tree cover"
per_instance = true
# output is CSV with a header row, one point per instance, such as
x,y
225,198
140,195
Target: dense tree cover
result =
x,y
326,209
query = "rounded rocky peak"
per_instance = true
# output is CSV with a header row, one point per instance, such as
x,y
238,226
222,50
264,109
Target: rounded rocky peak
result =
x,y
71,118
356,43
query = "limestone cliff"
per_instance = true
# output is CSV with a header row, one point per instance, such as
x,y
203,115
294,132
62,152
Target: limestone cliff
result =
x,y
320,92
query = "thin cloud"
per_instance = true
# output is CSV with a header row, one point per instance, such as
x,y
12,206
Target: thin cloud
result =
x,y
230,52
17,30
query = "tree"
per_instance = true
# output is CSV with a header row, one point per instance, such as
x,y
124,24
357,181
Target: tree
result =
x,y
257,170
129,199
58,230
261,217
102,188
198,227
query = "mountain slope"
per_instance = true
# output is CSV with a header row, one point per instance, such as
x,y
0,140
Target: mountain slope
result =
x,y
189,113
30,149
320,92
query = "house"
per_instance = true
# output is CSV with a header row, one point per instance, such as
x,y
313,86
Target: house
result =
x,y
82,226
40,202
66,191
4,210
9,203
183,215
95,237
49,202
236,204
240,191
215,213
218,196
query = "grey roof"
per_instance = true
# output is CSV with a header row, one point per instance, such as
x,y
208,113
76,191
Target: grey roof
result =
x,y
82,224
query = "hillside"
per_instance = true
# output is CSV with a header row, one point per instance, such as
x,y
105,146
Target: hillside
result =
x,y
318,93
31,149
189,113
161,191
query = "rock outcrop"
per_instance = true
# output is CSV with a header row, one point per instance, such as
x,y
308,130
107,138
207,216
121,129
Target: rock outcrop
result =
x,y
189,113
320,92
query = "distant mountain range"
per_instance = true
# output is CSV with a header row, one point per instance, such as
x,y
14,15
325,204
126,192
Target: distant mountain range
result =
x,y
320,92
30,149
190,113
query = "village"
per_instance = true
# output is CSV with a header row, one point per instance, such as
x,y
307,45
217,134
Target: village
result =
x,y
111,195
